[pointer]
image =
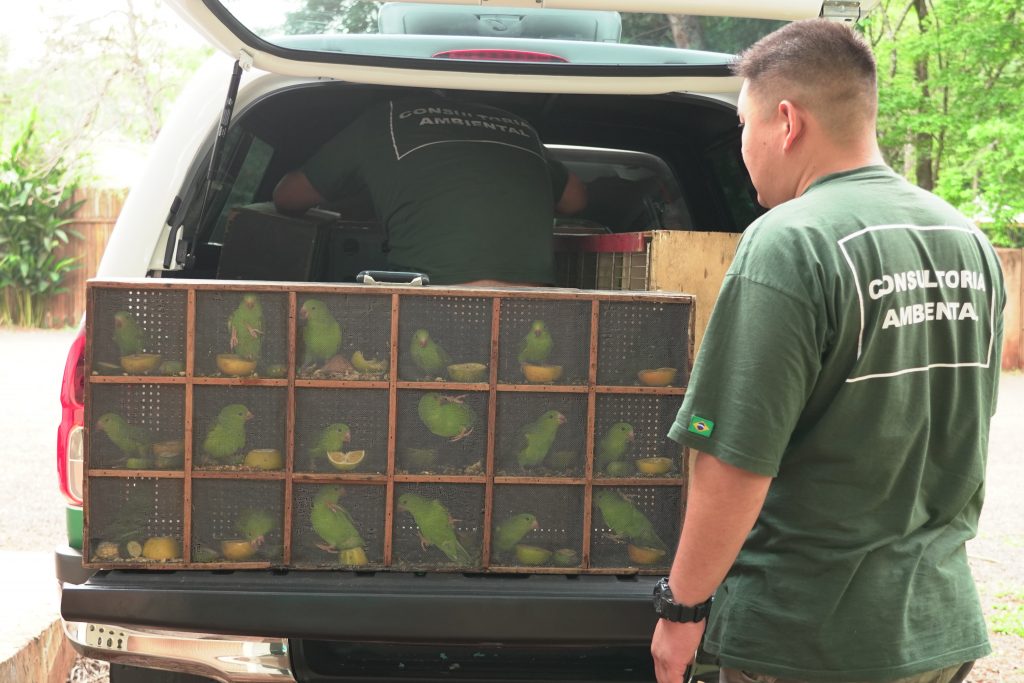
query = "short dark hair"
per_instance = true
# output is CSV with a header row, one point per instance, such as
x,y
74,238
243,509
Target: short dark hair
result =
x,y
824,65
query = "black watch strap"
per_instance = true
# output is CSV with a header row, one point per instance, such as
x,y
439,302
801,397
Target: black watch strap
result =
x,y
667,608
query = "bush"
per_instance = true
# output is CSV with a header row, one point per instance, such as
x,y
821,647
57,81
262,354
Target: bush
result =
x,y
35,208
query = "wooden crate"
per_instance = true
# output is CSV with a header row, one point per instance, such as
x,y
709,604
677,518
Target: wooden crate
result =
x,y
164,494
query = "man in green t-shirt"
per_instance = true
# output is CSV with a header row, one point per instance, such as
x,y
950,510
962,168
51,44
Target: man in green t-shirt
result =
x,y
466,192
840,403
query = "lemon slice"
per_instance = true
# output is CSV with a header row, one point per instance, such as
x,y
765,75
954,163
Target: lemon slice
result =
x,y
161,548
237,549
653,465
353,557
532,555
264,459
345,461
641,555
370,366
541,374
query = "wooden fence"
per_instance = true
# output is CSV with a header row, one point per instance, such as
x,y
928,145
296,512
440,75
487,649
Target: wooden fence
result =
x,y
95,221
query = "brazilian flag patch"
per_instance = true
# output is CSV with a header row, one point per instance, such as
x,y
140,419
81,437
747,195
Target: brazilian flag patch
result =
x,y
701,426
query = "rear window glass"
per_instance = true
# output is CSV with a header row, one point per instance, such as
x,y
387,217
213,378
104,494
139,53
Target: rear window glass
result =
x,y
461,32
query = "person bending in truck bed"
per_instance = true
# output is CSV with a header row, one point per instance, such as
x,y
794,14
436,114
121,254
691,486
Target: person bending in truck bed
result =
x,y
840,402
467,192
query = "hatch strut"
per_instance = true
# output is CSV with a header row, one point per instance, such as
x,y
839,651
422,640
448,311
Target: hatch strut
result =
x,y
184,253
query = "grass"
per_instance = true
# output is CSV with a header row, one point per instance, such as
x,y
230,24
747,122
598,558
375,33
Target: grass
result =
x,y
1007,615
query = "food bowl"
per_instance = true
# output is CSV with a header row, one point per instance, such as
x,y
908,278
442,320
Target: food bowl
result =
x,y
468,372
140,363
237,549
264,459
657,377
234,365
345,461
541,374
653,465
641,555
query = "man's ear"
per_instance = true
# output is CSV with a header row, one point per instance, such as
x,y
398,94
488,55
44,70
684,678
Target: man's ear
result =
x,y
792,117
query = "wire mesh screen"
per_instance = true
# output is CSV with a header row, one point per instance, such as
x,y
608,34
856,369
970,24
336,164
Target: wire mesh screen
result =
x,y
135,519
239,428
344,337
630,436
338,526
341,430
537,526
137,427
604,270
237,520
444,338
540,434
437,525
441,432
241,334
544,341
643,343
139,332
635,526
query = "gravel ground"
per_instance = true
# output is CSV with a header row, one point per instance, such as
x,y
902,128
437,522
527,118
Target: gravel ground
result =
x,y
32,363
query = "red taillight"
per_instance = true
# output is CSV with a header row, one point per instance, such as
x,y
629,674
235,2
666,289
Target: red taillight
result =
x,y
501,56
70,434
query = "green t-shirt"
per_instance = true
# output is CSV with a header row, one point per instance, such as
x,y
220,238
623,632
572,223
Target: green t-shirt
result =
x,y
465,191
854,355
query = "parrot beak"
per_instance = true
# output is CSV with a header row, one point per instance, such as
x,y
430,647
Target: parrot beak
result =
x,y
249,303
423,343
303,313
117,323
248,415
561,419
348,437
632,436
535,525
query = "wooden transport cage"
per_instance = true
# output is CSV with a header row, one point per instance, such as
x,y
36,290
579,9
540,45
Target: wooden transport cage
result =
x,y
230,425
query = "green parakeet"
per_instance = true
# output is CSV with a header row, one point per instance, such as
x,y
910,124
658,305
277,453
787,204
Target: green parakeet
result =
x,y
428,355
435,525
333,438
226,438
446,416
246,326
321,335
626,521
133,441
512,530
128,335
612,445
332,522
534,440
254,524
535,347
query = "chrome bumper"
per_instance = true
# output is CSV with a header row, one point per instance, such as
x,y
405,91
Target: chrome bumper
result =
x,y
225,658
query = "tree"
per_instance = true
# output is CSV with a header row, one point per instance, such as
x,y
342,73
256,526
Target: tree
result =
x,y
333,16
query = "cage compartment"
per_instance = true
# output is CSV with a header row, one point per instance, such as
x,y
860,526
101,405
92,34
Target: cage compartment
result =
x,y
643,343
444,338
137,427
138,331
343,336
635,527
544,341
335,526
235,520
630,436
540,434
441,432
537,526
349,421
134,520
437,526
241,334
239,428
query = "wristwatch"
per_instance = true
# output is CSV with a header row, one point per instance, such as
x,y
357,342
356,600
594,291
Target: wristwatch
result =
x,y
666,608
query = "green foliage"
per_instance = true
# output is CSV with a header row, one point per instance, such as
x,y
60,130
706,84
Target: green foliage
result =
x,y
35,207
949,116
332,16
1008,617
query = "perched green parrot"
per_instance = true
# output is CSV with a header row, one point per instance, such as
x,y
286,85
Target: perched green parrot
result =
x,y
429,356
333,438
133,441
512,530
535,347
321,335
254,524
446,416
612,446
626,521
332,522
533,441
435,525
246,327
226,438
128,335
